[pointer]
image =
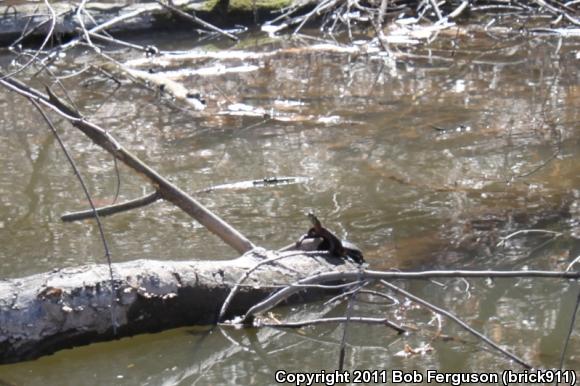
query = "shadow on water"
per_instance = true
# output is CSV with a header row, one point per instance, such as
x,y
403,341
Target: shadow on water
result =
x,y
425,159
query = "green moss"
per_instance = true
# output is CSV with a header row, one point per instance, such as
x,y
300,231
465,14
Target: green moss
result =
x,y
248,5
209,5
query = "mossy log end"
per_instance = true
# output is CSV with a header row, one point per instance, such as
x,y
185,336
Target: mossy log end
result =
x,y
43,313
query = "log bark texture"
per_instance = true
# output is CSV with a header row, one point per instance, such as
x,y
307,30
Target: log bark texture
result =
x,y
43,313
21,17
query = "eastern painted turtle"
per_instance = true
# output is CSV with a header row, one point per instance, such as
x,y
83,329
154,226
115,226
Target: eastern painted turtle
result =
x,y
331,243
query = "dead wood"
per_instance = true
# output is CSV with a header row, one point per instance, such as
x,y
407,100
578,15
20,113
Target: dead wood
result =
x,y
31,20
152,197
364,277
164,187
46,312
112,209
361,275
196,20
352,319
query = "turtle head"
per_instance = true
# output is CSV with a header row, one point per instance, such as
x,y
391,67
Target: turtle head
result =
x,y
313,219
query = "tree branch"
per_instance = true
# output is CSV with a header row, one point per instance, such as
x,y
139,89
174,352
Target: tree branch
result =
x,y
451,316
166,189
340,319
112,209
283,294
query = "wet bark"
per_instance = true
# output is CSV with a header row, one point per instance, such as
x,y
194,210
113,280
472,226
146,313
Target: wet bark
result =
x,y
20,18
33,18
43,313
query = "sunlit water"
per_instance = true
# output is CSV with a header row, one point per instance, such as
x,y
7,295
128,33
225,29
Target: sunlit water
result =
x,y
424,160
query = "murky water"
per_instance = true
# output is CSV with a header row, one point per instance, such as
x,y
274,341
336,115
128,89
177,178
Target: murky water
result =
x,y
424,159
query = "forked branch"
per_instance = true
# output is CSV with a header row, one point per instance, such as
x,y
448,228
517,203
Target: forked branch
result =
x,y
164,187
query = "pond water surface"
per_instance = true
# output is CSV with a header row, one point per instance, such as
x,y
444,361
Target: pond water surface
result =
x,y
424,158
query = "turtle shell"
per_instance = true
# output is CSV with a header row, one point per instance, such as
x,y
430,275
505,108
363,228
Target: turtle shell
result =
x,y
353,251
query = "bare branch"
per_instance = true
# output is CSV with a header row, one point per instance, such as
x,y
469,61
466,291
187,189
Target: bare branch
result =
x,y
570,331
247,274
457,11
573,263
167,190
283,294
351,300
437,10
354,319
525,232
456,320
196,20
393,300
88,196
39,50
112,209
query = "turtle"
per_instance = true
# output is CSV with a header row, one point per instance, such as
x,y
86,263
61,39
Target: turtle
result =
x,y
331,243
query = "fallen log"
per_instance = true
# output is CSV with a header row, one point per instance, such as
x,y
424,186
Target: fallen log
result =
x,y
43,313
31,19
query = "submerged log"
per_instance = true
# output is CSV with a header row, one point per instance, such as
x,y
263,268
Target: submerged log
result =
x,y
43,313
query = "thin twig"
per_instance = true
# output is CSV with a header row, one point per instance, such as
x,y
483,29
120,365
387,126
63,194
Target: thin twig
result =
x,y
570,330
39,50
456,320
341,319
437,10
457,11
382,11
554,155
574,262
79,17
250,184
246,275
335,276
168,190
101,27
25,30
196,20
316,11
117,180
120,42
393,300
525,232
152,197
342,351
55,78
112,209
89,198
